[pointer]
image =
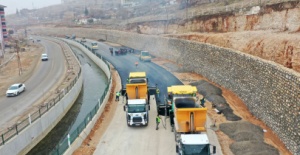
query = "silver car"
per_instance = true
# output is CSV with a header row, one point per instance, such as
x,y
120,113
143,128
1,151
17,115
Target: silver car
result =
x,y
15,89
44,57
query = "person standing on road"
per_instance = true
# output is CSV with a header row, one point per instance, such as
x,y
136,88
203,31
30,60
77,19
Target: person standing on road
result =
x,y
117,96
157,121
202,101
157,91
136,64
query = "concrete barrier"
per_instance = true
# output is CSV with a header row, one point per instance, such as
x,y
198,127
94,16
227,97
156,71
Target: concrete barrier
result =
x,y
77,143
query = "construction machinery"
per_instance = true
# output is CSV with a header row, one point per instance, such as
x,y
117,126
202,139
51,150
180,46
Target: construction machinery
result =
x,y
145,56
94,45
187,119
137,103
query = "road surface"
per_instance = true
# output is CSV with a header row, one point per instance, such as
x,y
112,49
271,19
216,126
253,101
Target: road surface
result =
x,y
120,139
45,76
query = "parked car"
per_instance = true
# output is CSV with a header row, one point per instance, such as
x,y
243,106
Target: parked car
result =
x,y
15,89
44,57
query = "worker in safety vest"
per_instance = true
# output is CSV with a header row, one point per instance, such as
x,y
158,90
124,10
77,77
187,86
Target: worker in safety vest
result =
x,y
157,121
157,92
202,101
117,95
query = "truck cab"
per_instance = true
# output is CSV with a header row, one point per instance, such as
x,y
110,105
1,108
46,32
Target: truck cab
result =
x,y
198,144
137,112
145,56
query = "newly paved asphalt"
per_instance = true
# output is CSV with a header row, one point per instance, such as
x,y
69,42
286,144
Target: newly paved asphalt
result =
x,y
125,64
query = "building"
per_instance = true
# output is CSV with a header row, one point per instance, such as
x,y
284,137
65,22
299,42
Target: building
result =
x,y
3,33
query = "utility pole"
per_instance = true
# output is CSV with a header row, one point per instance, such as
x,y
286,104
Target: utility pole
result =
x,y
186,9
166,31
18,58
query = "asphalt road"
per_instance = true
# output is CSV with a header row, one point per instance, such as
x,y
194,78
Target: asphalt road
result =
x,y
119,139
46,75
125,64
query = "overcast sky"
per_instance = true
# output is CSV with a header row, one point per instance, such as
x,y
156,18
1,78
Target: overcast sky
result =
x,y
12,5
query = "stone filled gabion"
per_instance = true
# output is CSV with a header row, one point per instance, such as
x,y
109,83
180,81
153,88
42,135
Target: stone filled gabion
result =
x,y
270,91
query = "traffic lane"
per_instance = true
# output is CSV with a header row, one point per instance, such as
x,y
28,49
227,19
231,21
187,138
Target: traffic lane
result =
x,y
45,75
126,63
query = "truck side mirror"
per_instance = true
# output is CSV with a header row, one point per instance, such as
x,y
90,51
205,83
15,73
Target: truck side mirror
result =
x,y
214,149
177,149
124,108
149,107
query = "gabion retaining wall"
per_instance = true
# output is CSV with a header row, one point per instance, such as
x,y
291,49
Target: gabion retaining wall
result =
x,y
270,91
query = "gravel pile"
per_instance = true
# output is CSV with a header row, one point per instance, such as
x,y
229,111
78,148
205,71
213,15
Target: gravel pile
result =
x,y
214,95
249,139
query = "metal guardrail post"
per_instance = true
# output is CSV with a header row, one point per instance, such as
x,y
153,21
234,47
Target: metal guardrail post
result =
x,y
17,129
3,142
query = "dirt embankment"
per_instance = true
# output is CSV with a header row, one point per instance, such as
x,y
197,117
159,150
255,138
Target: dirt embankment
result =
x,y
270,32
10,73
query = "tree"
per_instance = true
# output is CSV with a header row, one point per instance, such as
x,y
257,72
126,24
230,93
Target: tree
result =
x,y
86,11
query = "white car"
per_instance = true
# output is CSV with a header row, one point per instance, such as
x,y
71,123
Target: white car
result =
x,y
15,89
44,57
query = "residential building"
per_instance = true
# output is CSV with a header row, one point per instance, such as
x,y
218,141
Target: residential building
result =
x,y
3,33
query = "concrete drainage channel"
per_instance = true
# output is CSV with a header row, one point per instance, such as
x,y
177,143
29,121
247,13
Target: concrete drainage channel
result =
x,y
71,141
94,85
44,119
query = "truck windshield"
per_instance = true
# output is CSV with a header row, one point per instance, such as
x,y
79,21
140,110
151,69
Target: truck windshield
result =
x,y
196,149
145,54
94,44
138,80
136,108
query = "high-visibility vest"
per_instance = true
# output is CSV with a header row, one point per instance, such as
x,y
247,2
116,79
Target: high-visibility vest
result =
x,y
157,91
118,93
157,119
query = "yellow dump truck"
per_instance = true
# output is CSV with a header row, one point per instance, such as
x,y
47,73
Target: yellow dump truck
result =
x,y
137,104
188,120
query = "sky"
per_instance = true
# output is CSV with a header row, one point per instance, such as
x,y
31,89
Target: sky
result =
x,y
12,5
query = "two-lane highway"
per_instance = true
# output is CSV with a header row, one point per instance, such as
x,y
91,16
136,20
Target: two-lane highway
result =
x,y
45,76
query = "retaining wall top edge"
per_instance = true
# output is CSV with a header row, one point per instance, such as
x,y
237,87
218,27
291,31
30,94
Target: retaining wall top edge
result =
x,y
276,65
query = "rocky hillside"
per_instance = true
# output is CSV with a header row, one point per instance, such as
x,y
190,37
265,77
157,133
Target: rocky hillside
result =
x,y
270,32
